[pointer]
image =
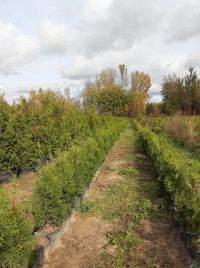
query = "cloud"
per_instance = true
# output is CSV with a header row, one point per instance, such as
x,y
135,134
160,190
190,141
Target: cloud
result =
x,y
55,38
193,59
118,25
185,23
80,68
97,10
16,48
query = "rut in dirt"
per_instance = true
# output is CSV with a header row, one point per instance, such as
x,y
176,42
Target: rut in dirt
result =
x,y
122,221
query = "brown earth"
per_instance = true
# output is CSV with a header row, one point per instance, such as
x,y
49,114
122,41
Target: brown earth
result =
x,y
40,242
23,188
83,243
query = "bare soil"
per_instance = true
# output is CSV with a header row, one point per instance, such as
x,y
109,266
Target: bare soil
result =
x,y
40,242
24,187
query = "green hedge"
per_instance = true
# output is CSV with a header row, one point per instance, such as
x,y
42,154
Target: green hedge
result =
x,y
16,236
59,183
178,178
34,129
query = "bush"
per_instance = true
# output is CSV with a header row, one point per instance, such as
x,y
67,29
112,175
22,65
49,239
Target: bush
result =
x,y
16,236
34,129
177,179
59,184
49,205
180,129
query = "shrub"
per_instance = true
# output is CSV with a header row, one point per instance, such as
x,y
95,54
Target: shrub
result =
x,y
59,184
34,129
180,129
178,180
48,206
16,236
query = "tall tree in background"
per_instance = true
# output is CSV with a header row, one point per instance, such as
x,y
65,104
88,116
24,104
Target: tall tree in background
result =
x,y
181,94
105,96
192,88
140,82
140,85
123,75
90,97
105,78
154,108
172,92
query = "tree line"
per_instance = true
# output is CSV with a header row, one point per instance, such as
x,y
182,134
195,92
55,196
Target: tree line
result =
x,y
120,93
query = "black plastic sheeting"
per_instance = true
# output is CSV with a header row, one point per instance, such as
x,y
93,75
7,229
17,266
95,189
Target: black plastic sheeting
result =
x,y
6,177
195,255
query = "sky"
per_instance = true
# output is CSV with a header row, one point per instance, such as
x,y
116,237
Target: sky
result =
x,y
62,44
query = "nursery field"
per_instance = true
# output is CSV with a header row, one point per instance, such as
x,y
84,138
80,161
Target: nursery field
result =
x,y
32,203
34,131
126,219
122,221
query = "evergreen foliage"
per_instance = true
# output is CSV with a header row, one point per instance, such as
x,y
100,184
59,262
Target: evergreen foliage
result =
x,y
59,183
178,178
16,236
35,129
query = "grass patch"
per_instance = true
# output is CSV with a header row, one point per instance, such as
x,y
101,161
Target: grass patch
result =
x,y
126,205
127,172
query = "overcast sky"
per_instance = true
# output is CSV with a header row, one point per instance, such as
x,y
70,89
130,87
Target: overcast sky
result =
x,y
62,43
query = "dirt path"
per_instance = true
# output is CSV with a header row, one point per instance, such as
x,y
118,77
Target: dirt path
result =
x,y
119,225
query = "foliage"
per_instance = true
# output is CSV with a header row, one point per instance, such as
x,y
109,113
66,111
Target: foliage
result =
x,y
180,129
34,129
15,233
108,96
177,174
181,94
183,130
124,75
59,183
112,100
154,109
140,82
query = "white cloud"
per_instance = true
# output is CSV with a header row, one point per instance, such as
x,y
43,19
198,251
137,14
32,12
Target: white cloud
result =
x,y
16,49
55,38
193,59
118,25
81,68
97,10
186,20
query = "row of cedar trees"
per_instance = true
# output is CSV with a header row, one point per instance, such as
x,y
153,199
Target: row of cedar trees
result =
x,y
119,98
181,95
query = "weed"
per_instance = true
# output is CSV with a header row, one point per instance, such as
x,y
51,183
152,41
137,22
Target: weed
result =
x,y
88,207
127,172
